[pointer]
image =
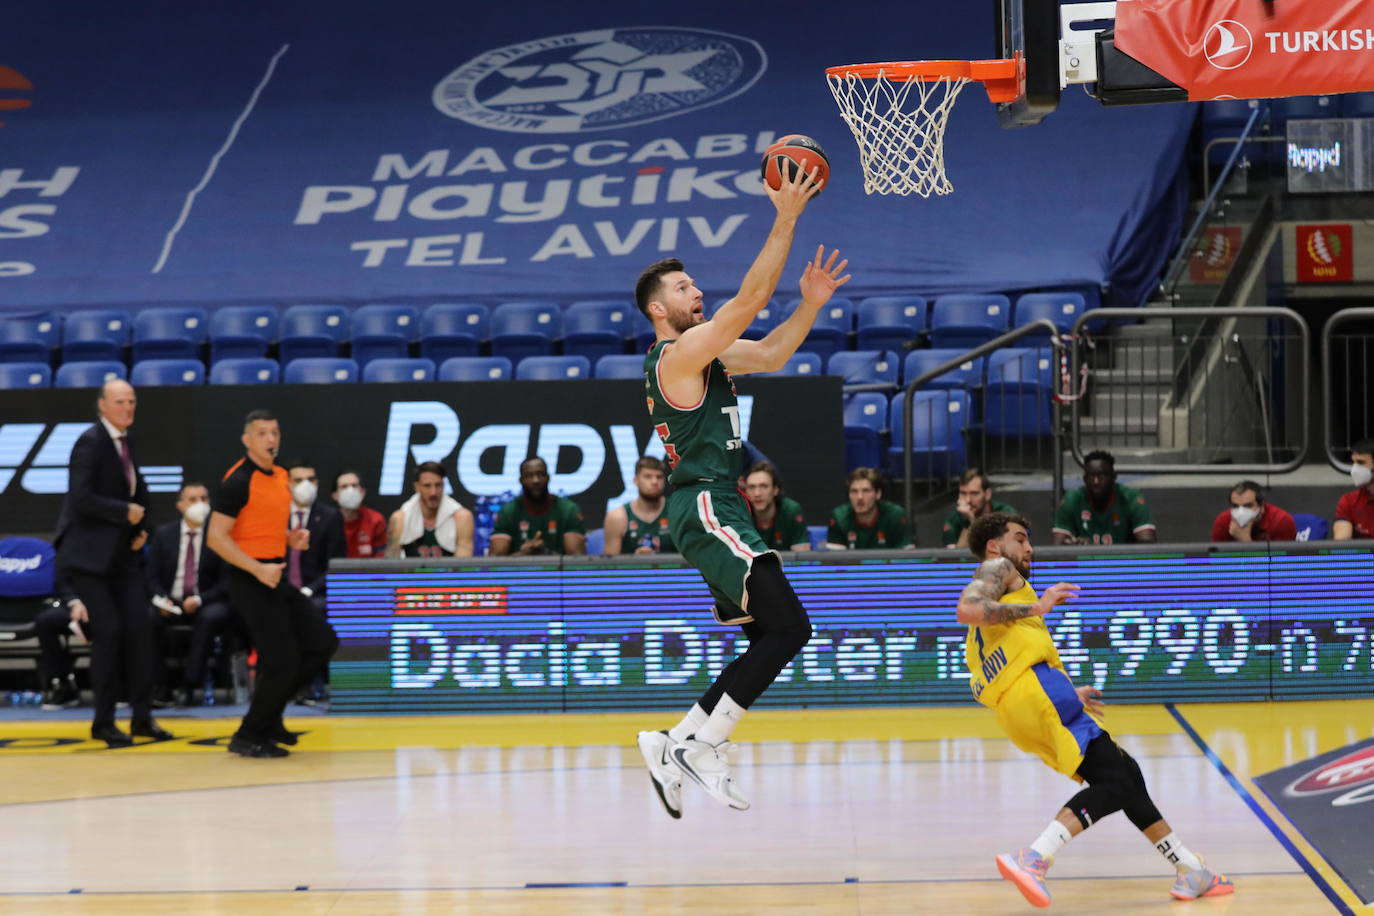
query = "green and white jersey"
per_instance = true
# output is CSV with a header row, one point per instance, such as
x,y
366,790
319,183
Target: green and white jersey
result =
x,y
702,440
655,530
889,530
789,526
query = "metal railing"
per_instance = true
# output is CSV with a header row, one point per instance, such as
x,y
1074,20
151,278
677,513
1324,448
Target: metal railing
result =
x,y
1222,390
1351,363
1037,327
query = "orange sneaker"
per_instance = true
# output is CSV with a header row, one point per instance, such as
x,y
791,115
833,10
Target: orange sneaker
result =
x,y
1201,882
1026,869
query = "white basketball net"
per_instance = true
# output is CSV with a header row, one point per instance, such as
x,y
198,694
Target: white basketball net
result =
x,y
900,128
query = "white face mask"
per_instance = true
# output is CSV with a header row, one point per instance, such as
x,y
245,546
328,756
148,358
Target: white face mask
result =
x,y
197,513
1243,516
304,492
1361,475
351,497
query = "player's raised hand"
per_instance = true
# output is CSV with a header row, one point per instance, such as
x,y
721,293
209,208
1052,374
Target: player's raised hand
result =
x,y
795,192
819,281
1054,596
1092,700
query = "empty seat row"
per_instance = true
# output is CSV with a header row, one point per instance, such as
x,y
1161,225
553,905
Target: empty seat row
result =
x,y
514,330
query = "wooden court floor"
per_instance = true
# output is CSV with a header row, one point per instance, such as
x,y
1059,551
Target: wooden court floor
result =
x,y
869,811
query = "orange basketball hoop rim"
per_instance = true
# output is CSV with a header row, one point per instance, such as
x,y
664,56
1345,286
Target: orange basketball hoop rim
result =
x,y
1001,78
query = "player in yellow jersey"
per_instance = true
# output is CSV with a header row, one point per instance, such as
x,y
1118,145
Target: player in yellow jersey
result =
x,y
1015,669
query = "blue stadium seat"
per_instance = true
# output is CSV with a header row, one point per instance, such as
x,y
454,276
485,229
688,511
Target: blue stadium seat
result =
x,y
169,333
88,374
643,334
29,338
598,328
596,542
620,366
553,368
312,332
1016,399
1061,308
384,332
475,369
95,334
25,375
938,420
1301,107
451,329
865,420
255,370
965,321
320,370
1312,527
864,367
968,376
1357,105
402,369
801,363
153,373
521,329
242,331
766,320
830,333
890,322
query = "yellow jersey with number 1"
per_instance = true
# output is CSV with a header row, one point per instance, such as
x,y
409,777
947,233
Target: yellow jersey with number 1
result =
x,y
998,653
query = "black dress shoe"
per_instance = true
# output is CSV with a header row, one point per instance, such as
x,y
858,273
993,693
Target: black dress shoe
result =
x,y
246,747
111,735
150,729
282,736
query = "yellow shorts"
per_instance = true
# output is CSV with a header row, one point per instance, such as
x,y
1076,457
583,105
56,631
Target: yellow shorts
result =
x,y
1042,715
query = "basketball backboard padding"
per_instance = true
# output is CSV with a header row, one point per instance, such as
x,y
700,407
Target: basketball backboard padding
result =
x,y
1028,31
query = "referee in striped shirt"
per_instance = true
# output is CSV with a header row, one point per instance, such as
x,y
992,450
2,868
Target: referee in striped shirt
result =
x,y
249,531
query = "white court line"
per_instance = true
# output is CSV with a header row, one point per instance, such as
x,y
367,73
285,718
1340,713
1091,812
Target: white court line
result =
x,y
214,161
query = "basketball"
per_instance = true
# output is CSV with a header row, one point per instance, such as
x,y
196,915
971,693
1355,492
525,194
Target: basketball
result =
x,y
793,151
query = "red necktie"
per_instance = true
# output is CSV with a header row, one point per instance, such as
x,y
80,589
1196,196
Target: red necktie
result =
x,y
293,570
128,464
188,575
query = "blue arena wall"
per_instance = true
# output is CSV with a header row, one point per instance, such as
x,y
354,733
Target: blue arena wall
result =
x,y
1169,625
240,152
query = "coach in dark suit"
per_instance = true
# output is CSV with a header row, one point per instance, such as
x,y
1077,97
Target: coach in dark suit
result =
x,y
305,569
99,535
190,576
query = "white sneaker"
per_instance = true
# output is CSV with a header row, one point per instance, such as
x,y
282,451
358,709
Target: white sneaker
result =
x,y
708,768
663,772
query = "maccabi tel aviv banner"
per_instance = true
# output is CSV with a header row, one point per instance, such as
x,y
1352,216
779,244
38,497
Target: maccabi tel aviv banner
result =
x,y
316,151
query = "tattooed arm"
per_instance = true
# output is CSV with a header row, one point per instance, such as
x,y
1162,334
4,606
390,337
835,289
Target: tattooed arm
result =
x,y
981,603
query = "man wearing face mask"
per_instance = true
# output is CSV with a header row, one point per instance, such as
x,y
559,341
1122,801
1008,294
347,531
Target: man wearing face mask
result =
x,y
305,569
1250,518
1355,510
364,527
250,530
186,580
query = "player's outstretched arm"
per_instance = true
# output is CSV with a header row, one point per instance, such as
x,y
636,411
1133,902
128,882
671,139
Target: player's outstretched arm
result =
x,y
981,603
819,281
703,343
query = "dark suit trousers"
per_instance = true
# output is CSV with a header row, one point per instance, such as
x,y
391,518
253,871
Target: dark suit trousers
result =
x,y
121,632
204,625
293,641
54,658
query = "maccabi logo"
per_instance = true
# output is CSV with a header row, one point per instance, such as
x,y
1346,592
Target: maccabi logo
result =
x,y
12,80
601,79
1227,44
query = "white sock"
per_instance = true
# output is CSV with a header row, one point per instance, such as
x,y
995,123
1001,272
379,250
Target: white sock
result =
x,y
1176,854
695,719
722,722
1054,837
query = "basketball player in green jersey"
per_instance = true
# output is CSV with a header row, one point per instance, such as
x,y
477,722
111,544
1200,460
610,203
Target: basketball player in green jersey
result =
x,y
691,399
640,526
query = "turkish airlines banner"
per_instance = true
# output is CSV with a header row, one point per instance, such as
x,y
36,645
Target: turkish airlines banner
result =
x,y
1249,49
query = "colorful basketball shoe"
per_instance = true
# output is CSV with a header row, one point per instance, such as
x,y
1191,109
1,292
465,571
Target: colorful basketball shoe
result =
x,y
1201,882
1026,869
